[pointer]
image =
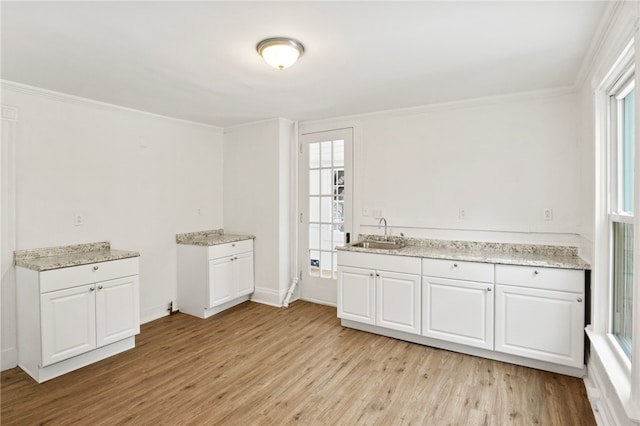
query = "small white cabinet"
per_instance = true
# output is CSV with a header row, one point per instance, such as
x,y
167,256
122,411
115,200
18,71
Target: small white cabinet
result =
x,y
70,317
380,290
214,278
457,302
356,294
540,313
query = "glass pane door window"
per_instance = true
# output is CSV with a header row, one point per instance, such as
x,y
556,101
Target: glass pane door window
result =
x,y
326,206
621,213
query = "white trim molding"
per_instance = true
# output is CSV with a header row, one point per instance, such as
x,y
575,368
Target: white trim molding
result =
x,y
64,97
270,297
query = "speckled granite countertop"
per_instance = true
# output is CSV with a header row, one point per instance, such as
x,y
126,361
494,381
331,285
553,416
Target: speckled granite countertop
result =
x,y
45,259
500,253
210,238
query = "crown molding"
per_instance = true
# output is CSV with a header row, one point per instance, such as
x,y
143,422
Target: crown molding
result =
x,y
257,123
460,104
604,31
64,97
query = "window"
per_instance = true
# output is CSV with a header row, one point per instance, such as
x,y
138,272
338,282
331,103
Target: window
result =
x,y
621,210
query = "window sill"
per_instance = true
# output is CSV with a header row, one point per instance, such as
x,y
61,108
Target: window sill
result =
x,y
617,372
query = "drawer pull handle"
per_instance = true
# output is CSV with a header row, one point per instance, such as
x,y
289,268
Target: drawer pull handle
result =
x,y
100,287
95,268
91,288
535,272
579,299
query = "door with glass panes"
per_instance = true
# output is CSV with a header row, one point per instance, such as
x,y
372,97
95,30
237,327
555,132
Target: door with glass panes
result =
x,y
325,206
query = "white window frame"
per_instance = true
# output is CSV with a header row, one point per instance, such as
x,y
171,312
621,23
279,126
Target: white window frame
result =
x,y
622,374
624,84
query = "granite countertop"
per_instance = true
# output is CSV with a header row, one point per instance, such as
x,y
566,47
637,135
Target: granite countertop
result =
x,y
45,259
210,238
501,253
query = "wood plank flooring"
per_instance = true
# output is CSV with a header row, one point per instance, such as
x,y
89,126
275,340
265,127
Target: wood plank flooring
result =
x,y
256,364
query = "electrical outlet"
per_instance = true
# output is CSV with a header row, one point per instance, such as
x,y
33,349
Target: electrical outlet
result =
x,y
462,214
78,219
547,214
377,213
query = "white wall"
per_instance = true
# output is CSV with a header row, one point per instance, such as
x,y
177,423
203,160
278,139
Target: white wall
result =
x,y
137,179
504,160
256,200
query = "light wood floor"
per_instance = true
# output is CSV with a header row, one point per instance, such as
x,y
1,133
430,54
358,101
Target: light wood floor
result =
x,y
255,364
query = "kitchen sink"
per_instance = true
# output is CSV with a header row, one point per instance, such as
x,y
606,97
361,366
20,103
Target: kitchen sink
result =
x,y
386,245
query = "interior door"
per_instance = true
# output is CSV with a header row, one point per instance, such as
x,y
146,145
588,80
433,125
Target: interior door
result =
x,y
325,171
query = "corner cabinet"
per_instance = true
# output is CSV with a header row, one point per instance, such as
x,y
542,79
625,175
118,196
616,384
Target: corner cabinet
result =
x,y
214,278
84,313
540,313
380,290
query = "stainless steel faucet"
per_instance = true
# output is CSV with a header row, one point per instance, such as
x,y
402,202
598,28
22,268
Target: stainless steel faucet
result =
x,y
382,219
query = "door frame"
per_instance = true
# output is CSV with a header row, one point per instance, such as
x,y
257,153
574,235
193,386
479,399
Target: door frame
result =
x,y
317,135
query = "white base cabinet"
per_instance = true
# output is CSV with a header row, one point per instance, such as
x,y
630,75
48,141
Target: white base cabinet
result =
x,y
540,314
380,290
214,278
519,314
70,317
457,300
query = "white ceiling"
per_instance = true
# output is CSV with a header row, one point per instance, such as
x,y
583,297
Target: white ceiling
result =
x,y
197,60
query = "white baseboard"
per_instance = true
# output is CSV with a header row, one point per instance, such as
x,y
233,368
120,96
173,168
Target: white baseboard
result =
x,y
270,297
8,359
154,313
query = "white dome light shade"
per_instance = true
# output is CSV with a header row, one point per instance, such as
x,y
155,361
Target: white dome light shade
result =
x,y
280,52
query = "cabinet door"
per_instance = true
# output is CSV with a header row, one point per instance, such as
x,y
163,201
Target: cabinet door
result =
x,y
221,285
356,295
117,310
398,297
458,311
243,273
540,324
68,323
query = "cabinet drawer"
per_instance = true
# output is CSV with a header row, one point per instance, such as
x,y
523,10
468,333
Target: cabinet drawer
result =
x,y
222,250
459,270
544,278
58,279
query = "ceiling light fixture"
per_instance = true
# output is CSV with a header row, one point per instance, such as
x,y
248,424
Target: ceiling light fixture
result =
x,y
280,52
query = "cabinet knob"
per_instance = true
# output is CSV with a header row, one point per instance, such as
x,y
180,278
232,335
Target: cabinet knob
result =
x,y
579,299
233,245
535,272
95,268
377,275
371,274
488,288
235,258
231,259
91,288
100,287
455,265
